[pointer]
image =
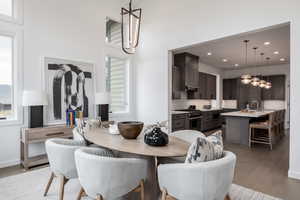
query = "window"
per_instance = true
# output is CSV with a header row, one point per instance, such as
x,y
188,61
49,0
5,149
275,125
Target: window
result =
x,y
6,7
117,83
113,32
6,77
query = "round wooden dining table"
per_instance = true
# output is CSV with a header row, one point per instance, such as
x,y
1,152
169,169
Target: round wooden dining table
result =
x,y
137,147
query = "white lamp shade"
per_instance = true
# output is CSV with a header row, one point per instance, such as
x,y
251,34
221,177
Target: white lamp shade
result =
x,y
34,98
102,98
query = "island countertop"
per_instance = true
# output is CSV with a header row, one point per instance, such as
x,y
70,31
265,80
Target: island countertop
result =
x,y
254,114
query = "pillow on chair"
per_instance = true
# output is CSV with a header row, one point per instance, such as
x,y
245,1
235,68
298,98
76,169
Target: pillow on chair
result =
x,y
82,126
206,149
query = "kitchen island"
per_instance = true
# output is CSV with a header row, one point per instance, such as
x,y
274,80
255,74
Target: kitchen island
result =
x,y
237,124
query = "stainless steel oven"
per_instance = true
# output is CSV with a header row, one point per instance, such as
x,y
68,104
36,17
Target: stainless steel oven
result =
x,y
194,118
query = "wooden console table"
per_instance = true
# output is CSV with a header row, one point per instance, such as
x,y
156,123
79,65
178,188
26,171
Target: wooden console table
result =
x,y
40,135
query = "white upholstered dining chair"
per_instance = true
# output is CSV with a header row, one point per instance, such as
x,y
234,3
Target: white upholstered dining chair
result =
x,y
103,177
187,135
62,162
200,181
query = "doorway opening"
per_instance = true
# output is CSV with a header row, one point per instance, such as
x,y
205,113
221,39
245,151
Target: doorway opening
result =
x,y
207,93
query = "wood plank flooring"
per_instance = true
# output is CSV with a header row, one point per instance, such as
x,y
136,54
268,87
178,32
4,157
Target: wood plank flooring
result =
x,y
257,168
266,171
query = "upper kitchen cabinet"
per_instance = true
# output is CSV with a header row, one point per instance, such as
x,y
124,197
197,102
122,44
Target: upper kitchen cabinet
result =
x,y
277,91
207,87
201,93
176,82
242,95
211,86
189,66
255,93
230,89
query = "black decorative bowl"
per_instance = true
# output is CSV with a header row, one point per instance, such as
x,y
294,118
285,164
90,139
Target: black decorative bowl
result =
x,y
156,137
130,130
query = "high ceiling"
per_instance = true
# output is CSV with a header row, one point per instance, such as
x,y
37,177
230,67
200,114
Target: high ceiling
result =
x,y
233,49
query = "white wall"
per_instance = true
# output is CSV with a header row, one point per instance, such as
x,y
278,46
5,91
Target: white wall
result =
x,y
70,29
171,24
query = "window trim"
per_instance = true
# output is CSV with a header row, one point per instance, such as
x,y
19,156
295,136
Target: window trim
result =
x,y
17,13
109,44
17,78
128,80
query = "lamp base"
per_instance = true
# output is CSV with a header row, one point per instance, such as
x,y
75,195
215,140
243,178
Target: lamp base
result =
x,y
103,112
36,115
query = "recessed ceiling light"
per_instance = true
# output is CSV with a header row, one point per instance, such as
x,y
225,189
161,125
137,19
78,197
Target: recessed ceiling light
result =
x,y
225,60
236,65
282,59
209,53
276,52
267,43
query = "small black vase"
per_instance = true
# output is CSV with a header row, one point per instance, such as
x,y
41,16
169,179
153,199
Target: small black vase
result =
x,y
156,137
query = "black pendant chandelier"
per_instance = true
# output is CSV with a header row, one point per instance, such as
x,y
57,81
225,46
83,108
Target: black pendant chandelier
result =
x,y
131,25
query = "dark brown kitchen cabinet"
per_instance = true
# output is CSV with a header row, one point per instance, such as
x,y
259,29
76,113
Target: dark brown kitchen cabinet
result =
x,y
189,67
211,86
277,91
176,82
201,92
242,95
211,120
180,122
230,89
255,94
207,87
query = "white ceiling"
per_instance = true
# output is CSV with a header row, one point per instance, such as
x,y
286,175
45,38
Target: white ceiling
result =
x,y
233,48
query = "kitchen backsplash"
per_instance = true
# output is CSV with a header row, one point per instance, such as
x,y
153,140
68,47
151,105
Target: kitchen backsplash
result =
x,y
185,103
229,104
268,105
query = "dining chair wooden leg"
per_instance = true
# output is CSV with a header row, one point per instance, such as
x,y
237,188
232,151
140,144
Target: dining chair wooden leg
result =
x,y
49,184
142,190
227,197
63,180
81,193
164,194
99,197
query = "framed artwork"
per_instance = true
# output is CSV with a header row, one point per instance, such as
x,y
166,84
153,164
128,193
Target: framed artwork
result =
x,y
70,85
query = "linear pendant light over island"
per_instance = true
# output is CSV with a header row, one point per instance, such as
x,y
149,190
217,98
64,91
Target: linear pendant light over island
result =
x,y
247,78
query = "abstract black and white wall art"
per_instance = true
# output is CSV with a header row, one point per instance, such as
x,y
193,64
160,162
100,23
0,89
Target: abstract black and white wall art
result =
x,y
70,85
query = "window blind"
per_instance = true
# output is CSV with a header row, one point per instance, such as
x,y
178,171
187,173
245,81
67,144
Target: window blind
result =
x,y
117,83
113,32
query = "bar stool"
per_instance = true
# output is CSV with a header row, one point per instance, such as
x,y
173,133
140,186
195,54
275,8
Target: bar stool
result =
x,y
270,125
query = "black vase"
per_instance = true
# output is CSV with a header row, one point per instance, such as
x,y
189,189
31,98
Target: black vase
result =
x,y
156,137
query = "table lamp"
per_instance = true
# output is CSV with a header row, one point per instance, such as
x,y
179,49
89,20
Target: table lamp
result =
x,y
35,100
103,100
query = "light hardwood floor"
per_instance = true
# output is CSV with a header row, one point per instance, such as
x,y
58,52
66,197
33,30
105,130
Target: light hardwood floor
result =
x,y
264,170
257,168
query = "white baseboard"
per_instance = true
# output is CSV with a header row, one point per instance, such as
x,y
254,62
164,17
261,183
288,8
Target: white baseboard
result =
x,y
9,163
294,174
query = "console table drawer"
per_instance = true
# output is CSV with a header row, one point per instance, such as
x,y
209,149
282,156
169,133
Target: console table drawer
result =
x,y
42,134
37,135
